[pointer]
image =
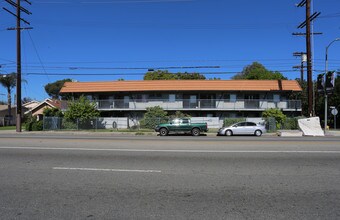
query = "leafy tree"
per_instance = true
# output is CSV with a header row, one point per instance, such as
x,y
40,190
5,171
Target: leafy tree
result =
x,y
81,109
158,75
26,100
165,75
9,82
256,71
275,113
189,76
53,89
333,100
179,114
52,112
153,116
303,96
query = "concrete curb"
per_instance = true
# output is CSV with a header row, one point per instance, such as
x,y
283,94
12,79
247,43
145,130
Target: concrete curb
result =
x,y
281,133
289,133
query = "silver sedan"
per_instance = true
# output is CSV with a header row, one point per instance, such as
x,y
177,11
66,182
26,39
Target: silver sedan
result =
x,y
243,128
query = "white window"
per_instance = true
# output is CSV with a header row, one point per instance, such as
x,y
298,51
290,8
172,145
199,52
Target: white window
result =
x,y
126,99
193,99
233,97
276,98
172,98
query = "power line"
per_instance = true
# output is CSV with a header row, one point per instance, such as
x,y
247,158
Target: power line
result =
x,y
36,51
111,2
127,68
133,74
334,15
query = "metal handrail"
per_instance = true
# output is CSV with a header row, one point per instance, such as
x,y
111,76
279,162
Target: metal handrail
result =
x,y
198,104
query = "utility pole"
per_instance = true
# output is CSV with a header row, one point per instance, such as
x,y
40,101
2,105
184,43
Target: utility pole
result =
x,y
18,28
308,34
309,60
303,60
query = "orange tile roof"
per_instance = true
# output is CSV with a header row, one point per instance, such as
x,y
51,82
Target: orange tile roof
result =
x,y
181,85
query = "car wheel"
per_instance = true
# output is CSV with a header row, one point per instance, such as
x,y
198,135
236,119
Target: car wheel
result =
x,y
163,132
195,132
228,133
258,133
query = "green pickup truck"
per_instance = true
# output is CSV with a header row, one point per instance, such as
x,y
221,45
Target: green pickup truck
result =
x,y
181,125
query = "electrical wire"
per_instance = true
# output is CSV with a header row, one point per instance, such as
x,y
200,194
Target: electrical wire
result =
x,y
36,51
111,2
135,74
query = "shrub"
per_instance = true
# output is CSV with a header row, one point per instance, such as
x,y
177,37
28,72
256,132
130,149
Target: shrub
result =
x,y
69,125
230,121
33,125
37,126
153,116
291,123
179,114
275,113
53,112
81,109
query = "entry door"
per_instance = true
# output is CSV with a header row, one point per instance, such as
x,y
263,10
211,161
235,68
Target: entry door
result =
x,y
126,101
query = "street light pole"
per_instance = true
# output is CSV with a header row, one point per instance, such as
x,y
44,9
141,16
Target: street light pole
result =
x,y
326,69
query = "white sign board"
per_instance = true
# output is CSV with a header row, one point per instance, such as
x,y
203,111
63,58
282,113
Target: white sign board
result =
x,y
334,111
311,126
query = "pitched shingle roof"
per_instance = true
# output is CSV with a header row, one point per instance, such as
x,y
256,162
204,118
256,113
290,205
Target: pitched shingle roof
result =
x,y
181,85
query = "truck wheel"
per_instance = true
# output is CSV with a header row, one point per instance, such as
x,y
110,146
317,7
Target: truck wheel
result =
x,y
195,132
163,132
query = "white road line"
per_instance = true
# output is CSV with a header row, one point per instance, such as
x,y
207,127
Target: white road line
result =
x,y
177,151
107,170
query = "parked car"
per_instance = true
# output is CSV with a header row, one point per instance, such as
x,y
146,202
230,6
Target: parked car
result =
x,y
181,125
243,128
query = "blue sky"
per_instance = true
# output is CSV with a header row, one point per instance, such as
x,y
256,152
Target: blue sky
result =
x,y
124,38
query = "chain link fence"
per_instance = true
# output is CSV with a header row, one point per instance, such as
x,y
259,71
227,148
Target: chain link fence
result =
x,y
288,124
56,123
6,121
271,124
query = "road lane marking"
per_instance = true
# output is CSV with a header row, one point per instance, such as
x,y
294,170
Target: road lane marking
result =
x,y
175,151
107,170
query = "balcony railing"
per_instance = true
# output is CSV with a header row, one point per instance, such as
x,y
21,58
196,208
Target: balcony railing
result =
x,y
198,104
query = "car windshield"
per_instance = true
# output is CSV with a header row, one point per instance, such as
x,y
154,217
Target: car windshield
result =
x,y
175,121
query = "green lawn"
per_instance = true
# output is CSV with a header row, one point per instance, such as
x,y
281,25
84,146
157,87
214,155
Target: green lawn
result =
x,y
6,128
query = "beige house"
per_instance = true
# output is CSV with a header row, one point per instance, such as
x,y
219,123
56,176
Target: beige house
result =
x,y
30,105
4,119
33,108
38,109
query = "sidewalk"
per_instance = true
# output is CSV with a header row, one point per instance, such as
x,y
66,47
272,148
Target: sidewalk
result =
x,y
334,133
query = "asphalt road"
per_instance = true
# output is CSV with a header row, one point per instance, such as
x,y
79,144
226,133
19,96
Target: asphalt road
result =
x,y
178,177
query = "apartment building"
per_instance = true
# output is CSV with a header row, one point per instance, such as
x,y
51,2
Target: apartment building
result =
x,y
199,98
